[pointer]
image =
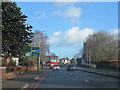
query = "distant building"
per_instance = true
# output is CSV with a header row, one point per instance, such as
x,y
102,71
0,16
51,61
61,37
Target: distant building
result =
x,y
65,60
16,60
47,58
4,62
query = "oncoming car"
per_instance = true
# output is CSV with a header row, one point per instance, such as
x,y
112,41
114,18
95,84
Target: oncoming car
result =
x,y
56,67
70,68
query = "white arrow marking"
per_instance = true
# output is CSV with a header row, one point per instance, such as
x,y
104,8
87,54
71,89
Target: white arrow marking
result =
x,y
86,80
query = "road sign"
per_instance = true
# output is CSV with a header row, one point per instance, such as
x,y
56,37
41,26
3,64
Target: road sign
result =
x,y
35,48
35,52
84,61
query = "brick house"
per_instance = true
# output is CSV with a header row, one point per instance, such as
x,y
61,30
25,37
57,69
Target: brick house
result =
x,y
47,58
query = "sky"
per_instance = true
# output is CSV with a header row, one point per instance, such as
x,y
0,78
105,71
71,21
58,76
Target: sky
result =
x,y
68,24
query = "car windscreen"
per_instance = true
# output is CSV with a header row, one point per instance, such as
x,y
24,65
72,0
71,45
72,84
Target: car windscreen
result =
x,y
56,65
71,66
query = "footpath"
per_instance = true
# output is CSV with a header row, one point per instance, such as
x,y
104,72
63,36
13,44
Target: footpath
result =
x,y
23,81
106,72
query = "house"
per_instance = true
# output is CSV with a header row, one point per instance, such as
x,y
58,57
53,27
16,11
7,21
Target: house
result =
x,y
65,60
47,58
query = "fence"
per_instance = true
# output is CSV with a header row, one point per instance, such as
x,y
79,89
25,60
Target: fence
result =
x,y
109,64
9,72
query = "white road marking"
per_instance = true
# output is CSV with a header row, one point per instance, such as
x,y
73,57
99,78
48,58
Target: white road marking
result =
x,y
36,78
86,80
25,86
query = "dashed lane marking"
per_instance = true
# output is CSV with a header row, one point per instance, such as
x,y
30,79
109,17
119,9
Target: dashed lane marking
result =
x,y
86,80
36,78
25,86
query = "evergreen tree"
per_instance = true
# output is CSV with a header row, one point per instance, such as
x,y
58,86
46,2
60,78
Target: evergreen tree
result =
x,y
16,35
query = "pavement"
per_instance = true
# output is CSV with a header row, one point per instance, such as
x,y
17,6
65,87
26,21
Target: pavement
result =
x,y
106,72
24,80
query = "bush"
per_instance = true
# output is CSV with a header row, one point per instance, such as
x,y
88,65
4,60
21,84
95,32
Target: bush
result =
x,y
9,70
12,63
26,63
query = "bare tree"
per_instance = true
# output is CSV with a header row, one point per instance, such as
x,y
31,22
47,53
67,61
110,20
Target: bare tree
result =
x,y
40,40
101,46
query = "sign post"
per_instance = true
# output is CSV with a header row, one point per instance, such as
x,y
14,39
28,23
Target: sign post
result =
x,y
35,52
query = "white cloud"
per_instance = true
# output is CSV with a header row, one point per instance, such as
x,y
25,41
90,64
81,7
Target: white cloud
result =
x,y
56,34
72,12
71,36
115,31
75,35
54,38
68,11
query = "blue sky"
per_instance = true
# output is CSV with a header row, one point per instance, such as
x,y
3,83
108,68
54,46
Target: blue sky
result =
x,y
68,24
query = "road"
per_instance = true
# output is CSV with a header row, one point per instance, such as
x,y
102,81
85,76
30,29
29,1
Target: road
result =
x,y
62,79
75,79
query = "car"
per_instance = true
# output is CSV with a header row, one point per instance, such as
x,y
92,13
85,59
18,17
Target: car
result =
x,y
70,68
56,67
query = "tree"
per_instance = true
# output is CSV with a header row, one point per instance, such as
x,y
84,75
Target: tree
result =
x,y
40,40
12,63
100,46
16,35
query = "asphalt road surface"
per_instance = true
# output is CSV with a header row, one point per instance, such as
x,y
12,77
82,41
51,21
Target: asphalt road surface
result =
x,y
61,79
75,79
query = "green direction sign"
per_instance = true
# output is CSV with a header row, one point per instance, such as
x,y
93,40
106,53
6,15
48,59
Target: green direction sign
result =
x,y
35,51
35,48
